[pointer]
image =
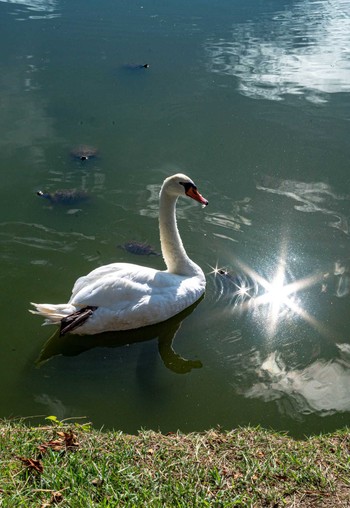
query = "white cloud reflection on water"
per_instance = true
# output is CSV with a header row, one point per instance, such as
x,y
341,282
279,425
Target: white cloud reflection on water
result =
x,y
323,386
301,50
35,5
46,8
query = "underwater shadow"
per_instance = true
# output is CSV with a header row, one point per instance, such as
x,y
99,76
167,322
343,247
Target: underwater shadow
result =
x,y
73,345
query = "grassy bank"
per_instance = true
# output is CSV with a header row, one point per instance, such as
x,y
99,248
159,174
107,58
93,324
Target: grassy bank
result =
x,y
74,466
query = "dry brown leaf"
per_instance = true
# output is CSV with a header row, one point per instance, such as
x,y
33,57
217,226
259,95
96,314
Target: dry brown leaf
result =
x,y
55,444
56,498
69,438
66,440
97,482
32,464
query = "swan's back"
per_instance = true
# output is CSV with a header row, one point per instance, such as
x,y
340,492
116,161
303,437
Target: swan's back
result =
x,y
133,296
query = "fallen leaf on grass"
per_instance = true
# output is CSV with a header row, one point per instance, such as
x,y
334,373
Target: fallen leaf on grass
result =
x,y
32,464
69,438
97,482
57,497
65,441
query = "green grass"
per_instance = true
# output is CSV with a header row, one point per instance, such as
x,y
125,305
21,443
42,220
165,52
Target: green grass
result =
x,y
71,466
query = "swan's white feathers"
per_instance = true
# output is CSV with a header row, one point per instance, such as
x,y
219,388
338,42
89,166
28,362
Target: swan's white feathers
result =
x,y
123,296
132,296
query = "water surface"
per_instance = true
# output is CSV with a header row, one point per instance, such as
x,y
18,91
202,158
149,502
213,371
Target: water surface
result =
x,y
252,102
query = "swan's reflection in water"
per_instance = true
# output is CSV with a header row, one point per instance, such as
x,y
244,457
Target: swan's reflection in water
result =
x,y
72,345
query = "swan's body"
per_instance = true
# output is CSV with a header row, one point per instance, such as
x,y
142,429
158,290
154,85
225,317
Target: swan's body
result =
x,y
123,296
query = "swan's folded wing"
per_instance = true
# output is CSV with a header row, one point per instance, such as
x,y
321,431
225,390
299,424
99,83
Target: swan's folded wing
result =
x,y
110,291
133,296
105,274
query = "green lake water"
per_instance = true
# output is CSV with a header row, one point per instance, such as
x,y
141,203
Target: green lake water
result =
x,y
252,101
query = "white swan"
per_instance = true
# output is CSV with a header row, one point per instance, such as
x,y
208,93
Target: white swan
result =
x,y
124,296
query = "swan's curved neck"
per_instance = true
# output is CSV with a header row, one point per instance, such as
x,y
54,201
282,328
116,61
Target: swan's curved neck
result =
x,y
173,251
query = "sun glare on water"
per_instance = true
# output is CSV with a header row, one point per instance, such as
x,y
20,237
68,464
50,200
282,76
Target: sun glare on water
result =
x,y
277,299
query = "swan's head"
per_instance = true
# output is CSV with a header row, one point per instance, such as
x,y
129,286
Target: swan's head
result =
x,y
182,185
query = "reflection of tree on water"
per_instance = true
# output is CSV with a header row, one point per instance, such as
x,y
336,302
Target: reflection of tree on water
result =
x,y
72,345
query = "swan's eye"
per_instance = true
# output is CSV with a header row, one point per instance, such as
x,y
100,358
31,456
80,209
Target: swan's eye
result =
x,y
188,186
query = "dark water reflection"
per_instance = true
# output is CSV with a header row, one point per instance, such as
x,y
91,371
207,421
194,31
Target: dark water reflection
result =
x,y
252,101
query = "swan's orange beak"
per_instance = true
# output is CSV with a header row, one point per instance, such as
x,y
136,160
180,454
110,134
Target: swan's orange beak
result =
x,y
194,194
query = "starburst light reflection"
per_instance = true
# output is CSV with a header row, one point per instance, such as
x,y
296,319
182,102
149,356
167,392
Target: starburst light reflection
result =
x,y
279,299
239,287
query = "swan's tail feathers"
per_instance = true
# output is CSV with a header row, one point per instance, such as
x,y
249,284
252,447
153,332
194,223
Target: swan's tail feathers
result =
x,y
76,319
53,314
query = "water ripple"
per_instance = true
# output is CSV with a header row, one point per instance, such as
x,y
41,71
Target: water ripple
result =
x,y
235,220
232,288
310,197
30,235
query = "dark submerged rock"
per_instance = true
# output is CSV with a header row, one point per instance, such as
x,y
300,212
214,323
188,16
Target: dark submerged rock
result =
x,y
132,67
84,152
65,196
139,248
